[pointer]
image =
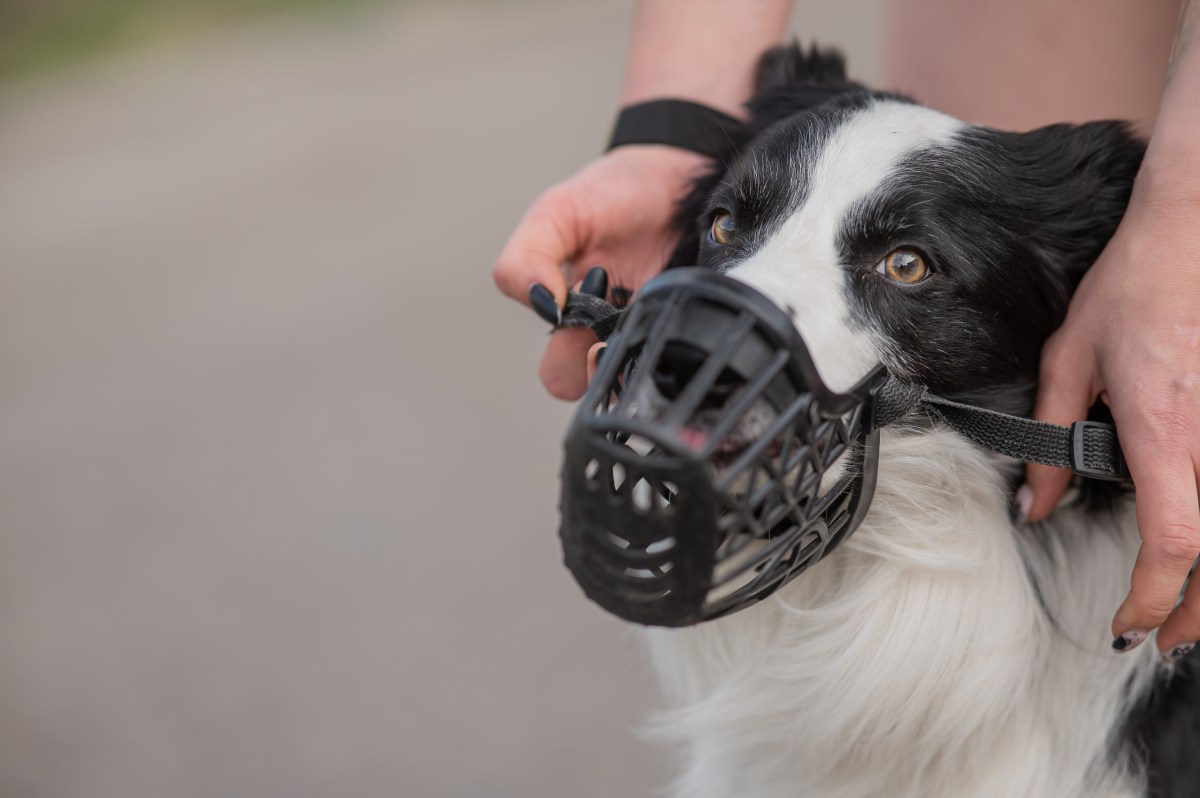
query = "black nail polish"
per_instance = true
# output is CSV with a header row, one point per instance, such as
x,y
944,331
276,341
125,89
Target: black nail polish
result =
x,y
1178,652
595,282
1130,640
543,304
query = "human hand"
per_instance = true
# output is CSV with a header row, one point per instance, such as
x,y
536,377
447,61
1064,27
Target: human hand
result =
x,y
616,212
1132,337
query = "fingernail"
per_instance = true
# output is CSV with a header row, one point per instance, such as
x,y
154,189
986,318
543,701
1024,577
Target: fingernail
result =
x,y
543,304
595,282
1130,640
1176,653
1024,503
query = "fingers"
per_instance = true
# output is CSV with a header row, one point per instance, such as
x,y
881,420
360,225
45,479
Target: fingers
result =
x,y
595,282
1065,392
564,365
546,237
1182,629
1169,521
569,362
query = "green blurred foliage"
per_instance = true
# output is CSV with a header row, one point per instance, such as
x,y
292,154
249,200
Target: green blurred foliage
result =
x,y
36,34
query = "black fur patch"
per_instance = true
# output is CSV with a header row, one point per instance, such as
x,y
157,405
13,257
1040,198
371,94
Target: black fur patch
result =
x,y
1165,733
1008,223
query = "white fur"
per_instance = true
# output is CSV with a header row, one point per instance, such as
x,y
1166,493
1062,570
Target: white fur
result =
x,y
917,661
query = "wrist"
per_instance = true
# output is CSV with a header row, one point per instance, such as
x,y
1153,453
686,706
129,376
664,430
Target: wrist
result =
x,y
1169,178
728,97
661,155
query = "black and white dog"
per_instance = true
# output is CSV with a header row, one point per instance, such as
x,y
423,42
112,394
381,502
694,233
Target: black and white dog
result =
x,y
943,651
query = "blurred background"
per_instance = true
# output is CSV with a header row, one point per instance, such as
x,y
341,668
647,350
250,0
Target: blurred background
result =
x,y
277,478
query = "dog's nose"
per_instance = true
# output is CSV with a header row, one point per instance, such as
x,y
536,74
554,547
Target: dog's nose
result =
x,y
678,366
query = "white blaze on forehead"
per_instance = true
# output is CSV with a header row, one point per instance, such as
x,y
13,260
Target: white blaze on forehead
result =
x,y
799,266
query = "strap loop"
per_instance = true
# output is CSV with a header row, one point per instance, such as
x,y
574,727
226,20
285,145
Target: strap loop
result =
x,y
1095,452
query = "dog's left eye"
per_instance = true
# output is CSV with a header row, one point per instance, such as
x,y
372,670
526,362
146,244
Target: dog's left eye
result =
x,y
723,228
903,266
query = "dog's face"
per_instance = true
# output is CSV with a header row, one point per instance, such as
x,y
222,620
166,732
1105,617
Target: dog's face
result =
x,y
898,235
893,234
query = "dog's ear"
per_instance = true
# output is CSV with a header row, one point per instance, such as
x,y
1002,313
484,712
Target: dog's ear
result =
x,y
789,80
1073,183
788,66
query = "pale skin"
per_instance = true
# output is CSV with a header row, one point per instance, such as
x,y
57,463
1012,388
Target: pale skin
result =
x,y
1132,335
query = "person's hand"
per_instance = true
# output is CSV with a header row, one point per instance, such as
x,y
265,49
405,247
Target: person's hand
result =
x,y
616,212
1132,337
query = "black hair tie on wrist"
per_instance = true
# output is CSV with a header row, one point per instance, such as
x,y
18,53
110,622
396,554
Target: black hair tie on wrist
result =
x,y
679,123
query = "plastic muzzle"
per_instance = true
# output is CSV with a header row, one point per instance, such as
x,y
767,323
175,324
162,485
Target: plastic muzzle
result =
x,y
708,464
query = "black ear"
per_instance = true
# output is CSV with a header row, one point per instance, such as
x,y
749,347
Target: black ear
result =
x,y
1071,182
788,80
788,66
791,80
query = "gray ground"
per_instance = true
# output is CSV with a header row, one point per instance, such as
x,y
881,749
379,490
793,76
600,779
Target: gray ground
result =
x,y
277,482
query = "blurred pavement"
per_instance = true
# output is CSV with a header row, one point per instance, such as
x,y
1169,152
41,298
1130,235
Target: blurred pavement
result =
x,y
277,480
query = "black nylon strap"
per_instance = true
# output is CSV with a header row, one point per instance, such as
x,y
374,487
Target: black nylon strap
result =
x,y
679,123
585,310
1088,448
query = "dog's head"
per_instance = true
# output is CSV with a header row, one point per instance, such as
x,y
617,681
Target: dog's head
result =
x,y
889,234
895,234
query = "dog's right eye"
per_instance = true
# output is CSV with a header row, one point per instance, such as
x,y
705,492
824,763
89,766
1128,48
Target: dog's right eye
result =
x,y
903,266
723,228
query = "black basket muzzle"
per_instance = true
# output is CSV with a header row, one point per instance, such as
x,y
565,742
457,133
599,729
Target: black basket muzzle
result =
x,y
708,464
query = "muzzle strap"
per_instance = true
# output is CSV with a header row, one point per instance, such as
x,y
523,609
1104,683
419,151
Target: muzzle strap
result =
x,y
1089,448
585,310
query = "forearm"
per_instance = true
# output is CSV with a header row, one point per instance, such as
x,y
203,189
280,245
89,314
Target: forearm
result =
x,y
701,50
1172,165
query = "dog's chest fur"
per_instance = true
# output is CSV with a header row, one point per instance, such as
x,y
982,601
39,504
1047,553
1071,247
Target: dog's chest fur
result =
x,y
920,660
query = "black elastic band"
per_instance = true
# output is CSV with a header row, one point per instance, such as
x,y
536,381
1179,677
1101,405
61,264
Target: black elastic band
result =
x,y
585,310
679,123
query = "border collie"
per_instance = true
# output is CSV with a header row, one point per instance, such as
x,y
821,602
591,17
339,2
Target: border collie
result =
x,y
943,651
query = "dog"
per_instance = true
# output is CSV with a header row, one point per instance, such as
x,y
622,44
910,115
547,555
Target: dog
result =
x,y
945,650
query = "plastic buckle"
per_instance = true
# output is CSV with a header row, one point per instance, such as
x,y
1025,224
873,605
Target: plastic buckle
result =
x,y
1078,430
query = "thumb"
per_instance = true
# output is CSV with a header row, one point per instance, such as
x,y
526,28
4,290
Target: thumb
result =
x,y
1065,392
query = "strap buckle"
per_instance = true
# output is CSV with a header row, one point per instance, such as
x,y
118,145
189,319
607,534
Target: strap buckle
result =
x,y
1103,440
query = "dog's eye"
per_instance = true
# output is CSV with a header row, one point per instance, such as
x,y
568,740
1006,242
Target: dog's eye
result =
x,y
903,266
723,228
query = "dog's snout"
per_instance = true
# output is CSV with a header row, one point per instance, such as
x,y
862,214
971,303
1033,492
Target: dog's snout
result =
x,y
678,366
